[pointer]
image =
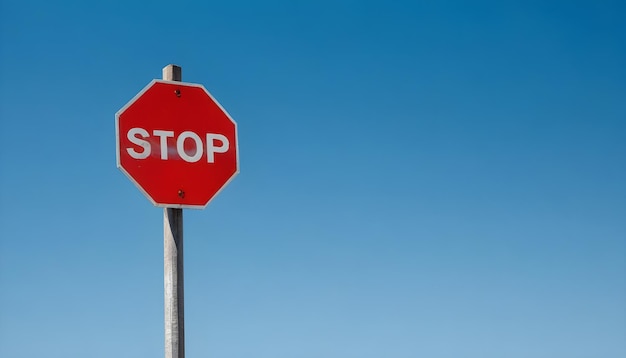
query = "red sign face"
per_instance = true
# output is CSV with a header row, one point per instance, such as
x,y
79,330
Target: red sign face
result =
x,y
177,144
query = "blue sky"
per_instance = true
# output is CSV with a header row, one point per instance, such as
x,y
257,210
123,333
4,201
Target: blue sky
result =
x,y
418,179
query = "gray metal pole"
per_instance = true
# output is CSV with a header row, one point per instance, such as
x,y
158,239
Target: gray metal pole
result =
x,y
173,265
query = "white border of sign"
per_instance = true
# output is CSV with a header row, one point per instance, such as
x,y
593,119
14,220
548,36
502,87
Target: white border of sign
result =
x,y
117,143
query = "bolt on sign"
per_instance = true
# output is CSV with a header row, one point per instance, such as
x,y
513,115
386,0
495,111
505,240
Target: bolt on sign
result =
x,y
177,144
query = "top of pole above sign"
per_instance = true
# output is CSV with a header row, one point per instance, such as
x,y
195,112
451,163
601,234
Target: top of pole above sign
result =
x,y
177,144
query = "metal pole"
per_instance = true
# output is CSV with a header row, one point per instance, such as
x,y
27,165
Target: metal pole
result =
x,y
173,265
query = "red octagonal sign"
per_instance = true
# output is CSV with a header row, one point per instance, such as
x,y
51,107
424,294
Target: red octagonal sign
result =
x,y
177,144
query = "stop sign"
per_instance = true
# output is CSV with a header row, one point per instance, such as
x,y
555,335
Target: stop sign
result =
x,y
177,144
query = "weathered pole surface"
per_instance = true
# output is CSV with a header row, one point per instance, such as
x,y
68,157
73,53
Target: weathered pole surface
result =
x,y
173,265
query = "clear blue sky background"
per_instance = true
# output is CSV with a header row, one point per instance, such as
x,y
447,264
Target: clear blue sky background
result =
x,y
418,179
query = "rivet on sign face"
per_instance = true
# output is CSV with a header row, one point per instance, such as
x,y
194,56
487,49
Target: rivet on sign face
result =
x,y
181,193
177,91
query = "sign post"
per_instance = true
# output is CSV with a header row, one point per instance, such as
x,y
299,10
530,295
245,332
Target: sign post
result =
x,y
180,148
173,269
